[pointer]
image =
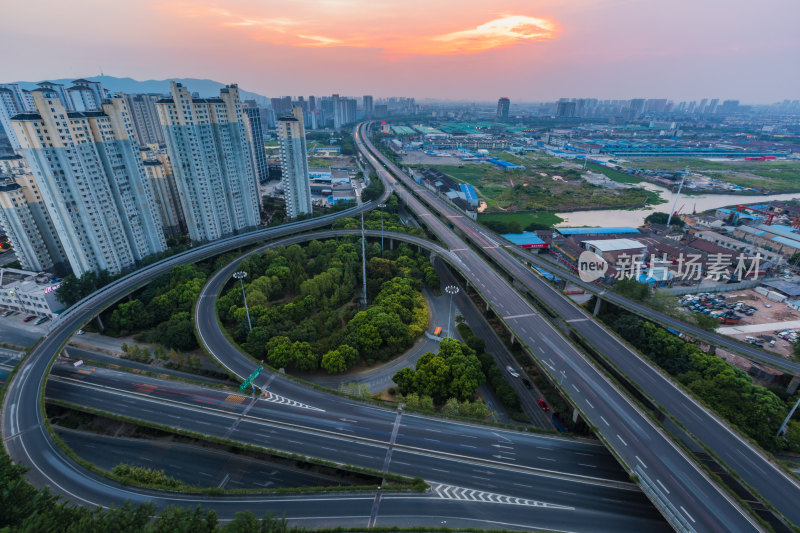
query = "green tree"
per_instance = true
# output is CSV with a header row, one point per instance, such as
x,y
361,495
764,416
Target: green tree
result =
x,y
404,378
349,354
333,362
632,289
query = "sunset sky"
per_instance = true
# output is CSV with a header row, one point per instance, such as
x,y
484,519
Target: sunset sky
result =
x,y
461,49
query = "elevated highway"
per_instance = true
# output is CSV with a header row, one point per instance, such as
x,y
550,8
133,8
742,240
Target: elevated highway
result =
x,y
758,470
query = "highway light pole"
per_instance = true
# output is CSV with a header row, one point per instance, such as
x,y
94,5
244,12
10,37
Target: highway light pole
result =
x,y
240,276
381,206
451,290
364,259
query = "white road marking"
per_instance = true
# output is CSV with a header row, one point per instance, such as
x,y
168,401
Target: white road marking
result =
x,y
620,438
450,492
576,388
604,420
662,486
687,514
590,404
642,462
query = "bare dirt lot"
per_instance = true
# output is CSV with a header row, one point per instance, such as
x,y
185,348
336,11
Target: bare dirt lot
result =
x,y
776,313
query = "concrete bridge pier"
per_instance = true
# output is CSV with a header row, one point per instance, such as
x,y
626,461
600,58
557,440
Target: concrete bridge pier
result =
x,y
598,303
792,388
100,323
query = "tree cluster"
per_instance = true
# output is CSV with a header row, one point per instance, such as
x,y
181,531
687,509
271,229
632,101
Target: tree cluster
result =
x,y
454,372
661,218
25,509
755,410
374,190
165,305
302,308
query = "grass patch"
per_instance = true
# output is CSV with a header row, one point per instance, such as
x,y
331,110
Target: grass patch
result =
x,y
614,175
542,217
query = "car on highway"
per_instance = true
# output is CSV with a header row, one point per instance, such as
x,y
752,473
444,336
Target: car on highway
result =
x,y
80,332
543,404
29,318
512,371
526,382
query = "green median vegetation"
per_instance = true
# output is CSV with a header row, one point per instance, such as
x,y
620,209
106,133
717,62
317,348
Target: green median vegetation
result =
x,y
303,304
755,410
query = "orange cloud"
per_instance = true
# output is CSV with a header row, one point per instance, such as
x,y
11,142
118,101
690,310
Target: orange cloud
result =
x,y
304,31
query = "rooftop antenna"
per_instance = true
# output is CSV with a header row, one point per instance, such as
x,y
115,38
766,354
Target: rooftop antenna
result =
x,y
675,204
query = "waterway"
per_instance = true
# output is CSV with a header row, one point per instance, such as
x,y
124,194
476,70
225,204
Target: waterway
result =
x,y
686,204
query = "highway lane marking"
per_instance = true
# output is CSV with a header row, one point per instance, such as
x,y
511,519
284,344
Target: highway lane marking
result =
x,y
584,464
576,388
576,319
224,481
642,462
687,514
468,446
546,459
662,486
512,317
586,454
604,420
620,438
590,404
584,479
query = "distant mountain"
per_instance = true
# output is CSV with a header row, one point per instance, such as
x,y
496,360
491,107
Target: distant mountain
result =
x,y
205,88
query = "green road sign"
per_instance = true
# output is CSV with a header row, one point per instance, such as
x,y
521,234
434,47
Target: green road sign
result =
x,y
246,383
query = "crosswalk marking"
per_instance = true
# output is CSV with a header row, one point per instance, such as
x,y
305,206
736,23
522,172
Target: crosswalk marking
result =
x,y
451,492
277,398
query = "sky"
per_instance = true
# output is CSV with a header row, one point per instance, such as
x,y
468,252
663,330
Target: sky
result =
x,y
527,50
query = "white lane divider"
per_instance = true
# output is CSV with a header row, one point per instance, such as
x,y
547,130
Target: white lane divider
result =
x,y
451,492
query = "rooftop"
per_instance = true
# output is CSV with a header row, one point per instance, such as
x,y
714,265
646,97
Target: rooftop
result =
x,y
596,231
610,245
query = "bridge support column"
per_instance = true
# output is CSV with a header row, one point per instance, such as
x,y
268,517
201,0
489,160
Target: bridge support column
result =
x,y
391,244
575,415
597,305
100,323
792,388
712,350
512,338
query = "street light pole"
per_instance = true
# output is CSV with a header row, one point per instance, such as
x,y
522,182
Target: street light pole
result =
x,y
240,276
451,290
381,206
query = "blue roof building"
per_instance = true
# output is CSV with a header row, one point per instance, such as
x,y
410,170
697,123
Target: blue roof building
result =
x,y
470,195
526,239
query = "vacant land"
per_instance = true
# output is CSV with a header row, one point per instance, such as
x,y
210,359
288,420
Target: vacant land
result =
x,y
547,184
775,176
616,175
524,219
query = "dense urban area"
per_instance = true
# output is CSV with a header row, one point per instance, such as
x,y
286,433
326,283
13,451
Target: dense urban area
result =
x,y
221,311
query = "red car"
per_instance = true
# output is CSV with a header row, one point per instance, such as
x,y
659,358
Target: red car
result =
x,y
543,404
29,318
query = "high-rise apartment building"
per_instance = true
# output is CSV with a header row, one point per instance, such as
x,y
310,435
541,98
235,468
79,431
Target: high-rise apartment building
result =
x,y
253,114
25,221
502,108
212,161
145,118
92,182
565,109
8,108
294,164
85,95
367,106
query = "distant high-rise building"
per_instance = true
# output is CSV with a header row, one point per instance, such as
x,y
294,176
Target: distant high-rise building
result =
x,y
730,106
145,118
565,109
502,108
92,182
294,164
59,90
25,221
85,95
712,106
367,106
254,119
212,161
702,107
338,112
636,108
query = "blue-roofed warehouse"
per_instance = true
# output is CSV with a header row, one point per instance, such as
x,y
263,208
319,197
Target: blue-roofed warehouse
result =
x,y
596,231
526,239
470,195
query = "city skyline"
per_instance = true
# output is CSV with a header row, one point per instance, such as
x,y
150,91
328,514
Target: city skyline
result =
x,y
607,50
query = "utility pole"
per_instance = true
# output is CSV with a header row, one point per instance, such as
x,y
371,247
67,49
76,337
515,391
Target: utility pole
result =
x,y
381,206
364,260
788,417
240,276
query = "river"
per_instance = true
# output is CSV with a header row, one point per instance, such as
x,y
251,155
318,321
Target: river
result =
x,y
686,204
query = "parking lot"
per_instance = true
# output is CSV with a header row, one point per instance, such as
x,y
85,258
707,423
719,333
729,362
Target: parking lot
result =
x,y
761,320
14,330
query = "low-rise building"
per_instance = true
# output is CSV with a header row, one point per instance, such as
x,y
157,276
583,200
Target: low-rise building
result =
x,y
33,293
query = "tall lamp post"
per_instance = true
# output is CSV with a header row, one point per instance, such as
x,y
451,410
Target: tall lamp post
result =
x,y
240,276
381,206
451,290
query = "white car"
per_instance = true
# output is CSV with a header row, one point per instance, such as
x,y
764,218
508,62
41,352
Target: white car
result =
x,y
80,332
512,371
